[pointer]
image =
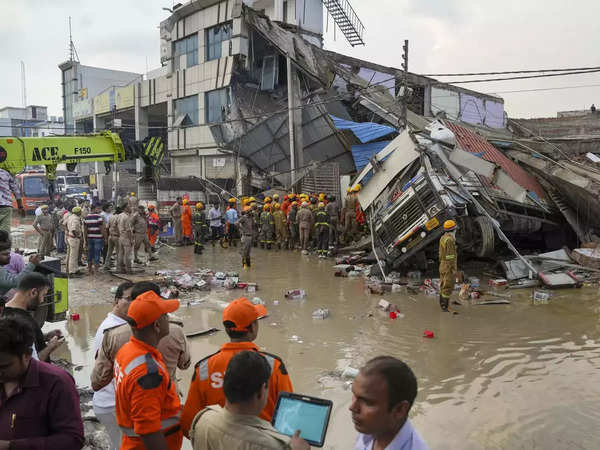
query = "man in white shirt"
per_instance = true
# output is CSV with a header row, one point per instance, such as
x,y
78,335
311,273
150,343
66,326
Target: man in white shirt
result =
x,y
104,399
382,395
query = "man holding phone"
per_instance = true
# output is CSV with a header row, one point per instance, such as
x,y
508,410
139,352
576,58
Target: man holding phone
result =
x,y
32,289
237,425
382,394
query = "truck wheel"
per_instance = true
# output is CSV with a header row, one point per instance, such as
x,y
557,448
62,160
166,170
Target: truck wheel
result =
x,y
484,234
40,315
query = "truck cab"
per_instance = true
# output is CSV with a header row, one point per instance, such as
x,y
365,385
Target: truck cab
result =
x,y
34,189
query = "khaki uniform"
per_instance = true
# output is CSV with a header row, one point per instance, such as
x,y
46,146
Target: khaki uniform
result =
x,y
218,429
139,224
45,222
133,203
173,347
281,229
350,225
305,222
448,266
175,212
113,239
73,227
246,227
331,209
124,256
267,229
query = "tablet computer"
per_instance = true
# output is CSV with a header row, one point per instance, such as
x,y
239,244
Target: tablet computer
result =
x,y
310,415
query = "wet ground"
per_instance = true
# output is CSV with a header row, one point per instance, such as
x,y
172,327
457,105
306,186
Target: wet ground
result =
x,y
499,376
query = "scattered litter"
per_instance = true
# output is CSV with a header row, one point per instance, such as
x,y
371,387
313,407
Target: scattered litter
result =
x,y
384,304
258,301
474,282
295,294
321,313
251,287
474,295
201,332
428,334
465,291
113,290
75,316
396,315
541,297
397,288
350,372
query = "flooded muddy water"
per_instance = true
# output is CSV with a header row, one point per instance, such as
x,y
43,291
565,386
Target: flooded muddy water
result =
x,y
496,376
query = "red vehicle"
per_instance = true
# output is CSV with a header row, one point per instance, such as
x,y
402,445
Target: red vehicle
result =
x,y
34,190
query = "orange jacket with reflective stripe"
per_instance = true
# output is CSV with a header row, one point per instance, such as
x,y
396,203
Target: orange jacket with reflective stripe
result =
x,y
146,398
207,382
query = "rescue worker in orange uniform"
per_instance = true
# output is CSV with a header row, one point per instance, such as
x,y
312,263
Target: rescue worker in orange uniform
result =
x,y
153,225
186,222
285,205
448,263
147,405
240,319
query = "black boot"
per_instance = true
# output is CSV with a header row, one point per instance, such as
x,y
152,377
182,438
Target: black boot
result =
x,y
443,303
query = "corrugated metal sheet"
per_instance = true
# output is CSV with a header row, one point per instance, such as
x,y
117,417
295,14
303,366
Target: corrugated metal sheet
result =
x,y
362,153
365,131
474,143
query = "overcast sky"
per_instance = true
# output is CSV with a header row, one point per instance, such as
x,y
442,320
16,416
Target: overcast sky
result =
x,y
446,36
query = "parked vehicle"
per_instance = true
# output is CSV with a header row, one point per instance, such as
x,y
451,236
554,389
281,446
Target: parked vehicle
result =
x,y
34,189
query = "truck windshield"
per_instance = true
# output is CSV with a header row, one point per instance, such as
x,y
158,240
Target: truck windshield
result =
x,y
74,180
35,186
76,189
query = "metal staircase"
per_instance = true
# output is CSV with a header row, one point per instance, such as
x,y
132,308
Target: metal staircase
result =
x,y
568,213
346,19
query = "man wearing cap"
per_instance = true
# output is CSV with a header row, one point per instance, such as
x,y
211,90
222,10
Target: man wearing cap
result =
x,y
175,212
140,233
231,219
246,226
125,253
322,231
240,319
349,216
44,225
74,235
292,223
113,237
200,228
448,263
305,223
147,405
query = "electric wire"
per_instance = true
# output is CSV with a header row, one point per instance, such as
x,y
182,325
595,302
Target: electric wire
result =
x,y
507,72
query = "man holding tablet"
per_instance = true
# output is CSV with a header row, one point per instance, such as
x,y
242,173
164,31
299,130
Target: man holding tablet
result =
x,y
382,394
237,425
240,319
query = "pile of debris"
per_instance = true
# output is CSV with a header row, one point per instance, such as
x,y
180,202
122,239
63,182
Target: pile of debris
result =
x,y
203,280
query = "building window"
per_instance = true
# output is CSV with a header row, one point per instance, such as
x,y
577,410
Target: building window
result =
x,y
189,47
217,105
189,106
214,38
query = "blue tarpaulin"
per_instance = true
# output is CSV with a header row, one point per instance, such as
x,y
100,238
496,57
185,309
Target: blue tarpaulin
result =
x,y
362,153
366,131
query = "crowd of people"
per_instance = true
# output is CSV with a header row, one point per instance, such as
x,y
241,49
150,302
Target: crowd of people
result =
x,y
314,222
97,234
138,347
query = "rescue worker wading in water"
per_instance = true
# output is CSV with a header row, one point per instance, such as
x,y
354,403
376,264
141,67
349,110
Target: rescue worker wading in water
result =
x,y
448,263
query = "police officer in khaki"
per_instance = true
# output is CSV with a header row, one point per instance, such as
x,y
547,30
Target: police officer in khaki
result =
x,y
175,212
74,235
44,225
139,224
448,263
113,237
173,347
125,254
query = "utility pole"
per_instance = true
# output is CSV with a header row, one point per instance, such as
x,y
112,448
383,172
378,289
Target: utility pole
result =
x,y
23,86
291,106
405,84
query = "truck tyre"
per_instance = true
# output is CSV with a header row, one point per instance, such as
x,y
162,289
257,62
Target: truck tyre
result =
x,y
484,229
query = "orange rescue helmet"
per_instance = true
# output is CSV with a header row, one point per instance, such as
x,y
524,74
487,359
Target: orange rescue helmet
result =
x,y
199,205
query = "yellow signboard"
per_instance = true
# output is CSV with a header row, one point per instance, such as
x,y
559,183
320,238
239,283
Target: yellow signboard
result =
x,y
102,103
124,97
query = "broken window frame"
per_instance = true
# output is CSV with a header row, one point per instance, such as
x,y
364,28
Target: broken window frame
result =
x,y
215,36
269,83
217,104
187,105
187,46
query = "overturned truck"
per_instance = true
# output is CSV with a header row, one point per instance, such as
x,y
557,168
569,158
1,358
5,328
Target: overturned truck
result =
x,y
448,172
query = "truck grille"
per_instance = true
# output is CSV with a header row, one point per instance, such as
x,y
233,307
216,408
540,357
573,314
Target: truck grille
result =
x,y
409,215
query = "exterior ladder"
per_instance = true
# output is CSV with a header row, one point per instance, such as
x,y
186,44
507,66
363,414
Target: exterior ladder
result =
x,y
346,19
